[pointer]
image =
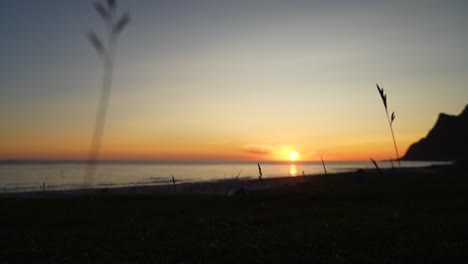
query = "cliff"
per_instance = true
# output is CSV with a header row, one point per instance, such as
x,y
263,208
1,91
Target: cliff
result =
x,y
447,140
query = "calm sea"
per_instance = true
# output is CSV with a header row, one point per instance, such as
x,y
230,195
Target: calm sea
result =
x,y
66,175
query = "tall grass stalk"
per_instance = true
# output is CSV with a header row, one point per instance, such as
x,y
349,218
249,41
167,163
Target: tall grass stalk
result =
x,y
260,174
324,168
115,24
377,166
232,184
390,120
173,183
43,187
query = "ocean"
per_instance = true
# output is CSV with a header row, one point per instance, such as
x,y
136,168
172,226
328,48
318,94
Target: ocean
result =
x,y
21,176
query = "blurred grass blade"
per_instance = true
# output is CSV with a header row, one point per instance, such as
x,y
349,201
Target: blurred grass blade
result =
x,y
97,44
107,52
377,166
101,10
173,182
260,174
232,185
123,21
324,168
111,4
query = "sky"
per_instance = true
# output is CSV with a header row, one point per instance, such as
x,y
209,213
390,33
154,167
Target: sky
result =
x,y
231,80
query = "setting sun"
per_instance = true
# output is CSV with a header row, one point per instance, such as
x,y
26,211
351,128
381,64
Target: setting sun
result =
x,y
293,155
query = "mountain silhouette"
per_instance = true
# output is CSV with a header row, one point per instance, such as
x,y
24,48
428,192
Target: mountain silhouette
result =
x,y
447,140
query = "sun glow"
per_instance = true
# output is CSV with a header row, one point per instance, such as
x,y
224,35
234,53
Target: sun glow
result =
x,y
293,155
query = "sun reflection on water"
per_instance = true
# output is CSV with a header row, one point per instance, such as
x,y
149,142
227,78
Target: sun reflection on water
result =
x,y
292,170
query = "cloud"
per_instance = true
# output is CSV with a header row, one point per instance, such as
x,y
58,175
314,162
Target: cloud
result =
x,y
258,149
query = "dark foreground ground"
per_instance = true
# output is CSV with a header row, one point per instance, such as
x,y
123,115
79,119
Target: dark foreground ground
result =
x,y
396,218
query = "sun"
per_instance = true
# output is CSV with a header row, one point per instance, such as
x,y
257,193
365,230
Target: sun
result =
x,y
293,155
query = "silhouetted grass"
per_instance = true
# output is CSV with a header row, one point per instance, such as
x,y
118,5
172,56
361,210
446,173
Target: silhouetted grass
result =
x,y
260,174
232,184
377,166
43,187
390,119
174,183
324,168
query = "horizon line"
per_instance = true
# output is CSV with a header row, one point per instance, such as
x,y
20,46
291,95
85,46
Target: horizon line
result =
x,y
169,161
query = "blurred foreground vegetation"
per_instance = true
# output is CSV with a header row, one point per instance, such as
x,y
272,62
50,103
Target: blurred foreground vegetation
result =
x,y
395,218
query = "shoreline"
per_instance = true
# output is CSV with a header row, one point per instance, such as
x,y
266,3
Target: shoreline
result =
x,y
222,187
67,178
217,187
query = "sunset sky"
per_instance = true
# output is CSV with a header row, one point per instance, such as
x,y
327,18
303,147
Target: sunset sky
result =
x,y
221,79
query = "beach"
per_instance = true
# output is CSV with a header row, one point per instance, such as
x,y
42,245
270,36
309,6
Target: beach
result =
x,y
219,187
416,215
226,187
33,176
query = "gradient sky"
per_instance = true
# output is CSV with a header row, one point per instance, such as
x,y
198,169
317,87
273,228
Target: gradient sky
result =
x,y
231,79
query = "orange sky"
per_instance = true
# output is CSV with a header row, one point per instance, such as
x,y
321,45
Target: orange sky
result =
x,y
241,80
172,148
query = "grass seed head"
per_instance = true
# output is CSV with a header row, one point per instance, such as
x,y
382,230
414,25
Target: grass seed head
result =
x,y
120,25
97,44
383,96
101,10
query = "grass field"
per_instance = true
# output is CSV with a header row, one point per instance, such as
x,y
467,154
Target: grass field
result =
x,y
396,218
